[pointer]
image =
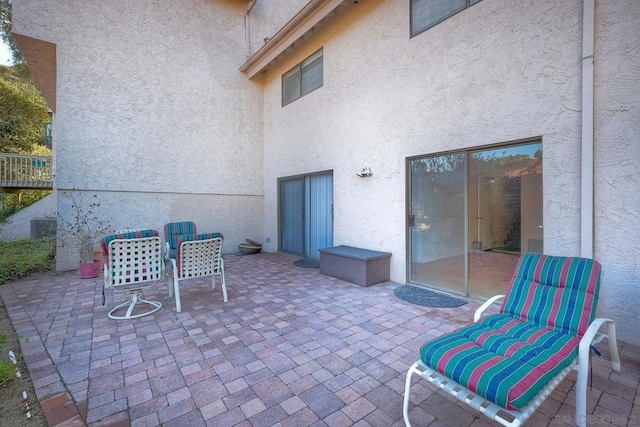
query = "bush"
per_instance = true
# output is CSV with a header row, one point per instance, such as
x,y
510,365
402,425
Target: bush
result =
x,y
7,371
19,259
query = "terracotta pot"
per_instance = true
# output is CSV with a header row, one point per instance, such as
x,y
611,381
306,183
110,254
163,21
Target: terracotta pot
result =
x,y
89,270
98,256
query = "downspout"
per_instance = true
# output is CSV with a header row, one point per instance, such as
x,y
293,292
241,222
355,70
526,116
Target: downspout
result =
x,y
587,187
247,28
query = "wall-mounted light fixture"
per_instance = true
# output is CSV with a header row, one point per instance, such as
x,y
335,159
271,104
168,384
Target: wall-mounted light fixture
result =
x,y
364,172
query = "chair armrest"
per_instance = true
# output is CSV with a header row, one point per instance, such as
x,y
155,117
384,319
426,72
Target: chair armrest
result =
x,y
167,249
483,307
174,266
593,336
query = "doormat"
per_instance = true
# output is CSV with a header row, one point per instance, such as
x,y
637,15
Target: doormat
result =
x,y
425,297
307,263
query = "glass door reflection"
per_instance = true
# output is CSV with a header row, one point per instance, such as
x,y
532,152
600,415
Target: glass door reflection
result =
x,y
436,219
472,214
505,214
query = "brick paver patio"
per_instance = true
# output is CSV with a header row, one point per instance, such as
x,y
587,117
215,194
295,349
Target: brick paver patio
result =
x,y
292,347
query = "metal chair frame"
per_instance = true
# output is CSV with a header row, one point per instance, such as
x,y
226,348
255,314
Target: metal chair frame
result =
x,y
197,258
512,418
134,265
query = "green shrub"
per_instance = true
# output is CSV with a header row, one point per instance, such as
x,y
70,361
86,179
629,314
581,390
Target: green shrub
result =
x,y
19,259
7,371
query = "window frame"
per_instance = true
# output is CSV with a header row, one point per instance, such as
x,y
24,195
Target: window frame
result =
x,y
298,69
468,4
467,289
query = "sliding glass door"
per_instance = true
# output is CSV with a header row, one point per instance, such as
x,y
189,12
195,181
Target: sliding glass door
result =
x,y
306,214
436,219
471,215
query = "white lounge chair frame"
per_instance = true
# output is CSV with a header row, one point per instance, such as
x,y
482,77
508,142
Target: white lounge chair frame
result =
x,y
198,258
135,265
511,418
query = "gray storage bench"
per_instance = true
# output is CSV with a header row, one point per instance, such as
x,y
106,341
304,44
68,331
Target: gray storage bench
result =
x,y
363,267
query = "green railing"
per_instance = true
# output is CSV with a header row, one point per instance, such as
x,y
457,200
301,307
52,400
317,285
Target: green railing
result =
x,y
25,171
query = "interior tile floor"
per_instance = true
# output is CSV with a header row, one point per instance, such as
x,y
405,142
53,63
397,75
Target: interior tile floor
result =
x,y
292,347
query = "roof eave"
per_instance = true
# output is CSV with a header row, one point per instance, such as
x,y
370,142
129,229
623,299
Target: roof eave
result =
x,y
314,14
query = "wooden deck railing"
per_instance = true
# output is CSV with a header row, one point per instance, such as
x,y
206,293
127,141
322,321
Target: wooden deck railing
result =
x,y
23,171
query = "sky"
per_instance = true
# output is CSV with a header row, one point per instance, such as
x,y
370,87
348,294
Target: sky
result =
x,y
5,55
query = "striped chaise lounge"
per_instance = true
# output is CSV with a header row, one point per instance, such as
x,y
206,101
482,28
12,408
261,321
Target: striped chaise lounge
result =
x,y
506,364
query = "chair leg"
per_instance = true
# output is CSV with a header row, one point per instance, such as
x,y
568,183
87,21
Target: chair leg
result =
x,y
407,388
583,367
176,290
581,392
223,285
136,299
170,285
613,346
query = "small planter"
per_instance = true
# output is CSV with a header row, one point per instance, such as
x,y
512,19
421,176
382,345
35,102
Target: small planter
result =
x,y
89,270
98,256
249,249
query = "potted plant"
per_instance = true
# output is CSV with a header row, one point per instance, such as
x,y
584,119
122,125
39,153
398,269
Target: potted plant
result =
x,y
82,230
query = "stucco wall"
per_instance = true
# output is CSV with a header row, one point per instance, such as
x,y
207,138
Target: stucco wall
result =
x,y
267,17
494,73
500,71
154,116
152,111
237,217
18,225
617,161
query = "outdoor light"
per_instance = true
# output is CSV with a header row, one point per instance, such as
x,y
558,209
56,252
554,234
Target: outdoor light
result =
x,y
364,172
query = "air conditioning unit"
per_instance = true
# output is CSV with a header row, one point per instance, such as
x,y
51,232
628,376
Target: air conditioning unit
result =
x,y
43,227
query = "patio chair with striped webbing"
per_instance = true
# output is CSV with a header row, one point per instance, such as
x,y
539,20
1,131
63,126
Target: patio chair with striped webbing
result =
x,y
198,255
506,364
133,264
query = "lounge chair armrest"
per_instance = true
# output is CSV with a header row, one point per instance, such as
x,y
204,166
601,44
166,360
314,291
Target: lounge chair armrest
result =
x,y
593,336
483,307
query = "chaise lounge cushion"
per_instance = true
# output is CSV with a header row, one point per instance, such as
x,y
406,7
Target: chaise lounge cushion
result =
x,y
546,291
173,231
509,357
502,359
134,234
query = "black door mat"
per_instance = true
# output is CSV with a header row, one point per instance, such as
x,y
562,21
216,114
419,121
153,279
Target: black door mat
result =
x,y
307,263
425,297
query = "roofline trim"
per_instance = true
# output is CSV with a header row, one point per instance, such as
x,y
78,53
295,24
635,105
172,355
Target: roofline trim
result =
x,y
296,29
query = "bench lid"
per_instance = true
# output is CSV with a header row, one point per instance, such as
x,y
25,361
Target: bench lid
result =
x,y
355,253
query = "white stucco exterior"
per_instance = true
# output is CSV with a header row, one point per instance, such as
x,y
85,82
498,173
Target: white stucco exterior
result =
x,y
154,116
488,75
18,226
500,71
617,161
